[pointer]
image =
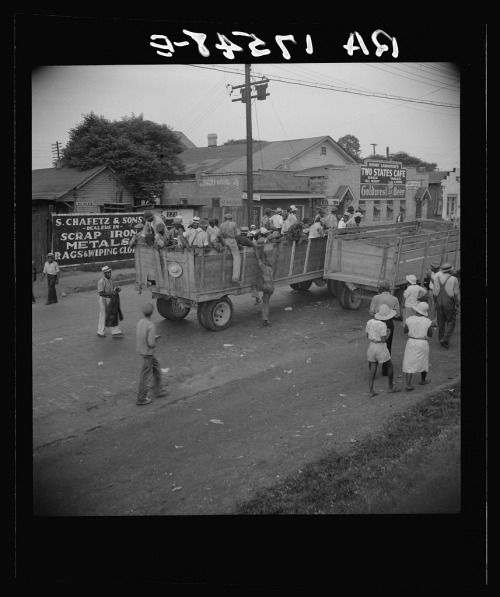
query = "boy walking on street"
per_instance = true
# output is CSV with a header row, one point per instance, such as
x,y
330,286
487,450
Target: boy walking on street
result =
x,y
146,342
377,333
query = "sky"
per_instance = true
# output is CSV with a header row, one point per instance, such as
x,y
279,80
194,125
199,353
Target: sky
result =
x,y
421,117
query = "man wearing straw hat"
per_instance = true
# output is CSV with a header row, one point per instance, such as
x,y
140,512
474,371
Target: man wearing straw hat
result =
x,y
377,332
106,290
447,300
412,295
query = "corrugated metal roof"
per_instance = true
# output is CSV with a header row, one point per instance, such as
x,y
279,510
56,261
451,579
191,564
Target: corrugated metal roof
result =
x,y
437,177
50,184
213,159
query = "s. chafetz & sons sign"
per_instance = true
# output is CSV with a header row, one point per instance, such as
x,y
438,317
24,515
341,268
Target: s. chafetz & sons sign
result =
x,y
91,238
382,180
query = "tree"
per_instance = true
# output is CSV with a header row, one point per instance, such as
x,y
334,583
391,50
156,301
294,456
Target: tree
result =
x,y
143,153
350,144
411,161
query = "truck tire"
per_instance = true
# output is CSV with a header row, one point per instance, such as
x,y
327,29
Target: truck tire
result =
x,y
347,298
217,314
301,286
200,313
333,287
169,309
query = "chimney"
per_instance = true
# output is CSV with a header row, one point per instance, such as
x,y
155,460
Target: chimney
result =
x,y
286,163
212,140
387,152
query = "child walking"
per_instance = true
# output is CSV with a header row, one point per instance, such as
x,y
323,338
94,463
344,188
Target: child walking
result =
x,y
146,342
378,333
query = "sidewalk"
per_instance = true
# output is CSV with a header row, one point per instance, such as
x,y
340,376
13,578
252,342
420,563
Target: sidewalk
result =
x,y
76,281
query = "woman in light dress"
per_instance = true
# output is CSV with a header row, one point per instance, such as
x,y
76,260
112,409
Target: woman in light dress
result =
x,y
416,356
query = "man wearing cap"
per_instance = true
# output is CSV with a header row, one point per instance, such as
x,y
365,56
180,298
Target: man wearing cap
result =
x,y
276,221
106,290
228,232
416,356
343,221
196,236
146,338
331,219
384,297
174,235
377,332
413,293
51,270
152,221
242,238
292,214
137,237
447,300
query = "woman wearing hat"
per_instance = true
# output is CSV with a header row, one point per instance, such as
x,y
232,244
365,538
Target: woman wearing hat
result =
x,y
416,356
447,299
412,295
378,333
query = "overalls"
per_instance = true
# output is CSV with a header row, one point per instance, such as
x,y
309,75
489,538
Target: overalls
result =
x,y
446,312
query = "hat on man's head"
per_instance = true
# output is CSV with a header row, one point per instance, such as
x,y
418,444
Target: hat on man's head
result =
x,y
177,220
244,229
106,268
278,210
268,210
148,215
422,308
411,279
384,285
228,216
435,265
147,309
446,267
293,208
196,220
50,254
385,312
139,225
253,226
347,214
333,208
350,208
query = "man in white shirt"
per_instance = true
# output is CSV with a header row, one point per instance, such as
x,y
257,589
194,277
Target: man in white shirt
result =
x,y
196,236
316,230
292,214
331,219
343,221
286,223
276,220
51,270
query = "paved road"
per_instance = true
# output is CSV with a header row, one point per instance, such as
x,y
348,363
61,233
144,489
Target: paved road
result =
x,y
283,395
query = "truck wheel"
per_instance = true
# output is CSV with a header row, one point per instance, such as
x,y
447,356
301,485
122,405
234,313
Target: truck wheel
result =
x,y
347,298
170,309
217,314
200,314
333,287
301,286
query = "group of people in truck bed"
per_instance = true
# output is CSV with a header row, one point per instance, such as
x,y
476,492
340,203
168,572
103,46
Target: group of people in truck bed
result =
x,y
274,227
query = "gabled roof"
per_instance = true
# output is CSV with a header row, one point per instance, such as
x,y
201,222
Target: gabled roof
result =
x,y
183,140
51,184
421,194
341,191
271,156
214,158
437,177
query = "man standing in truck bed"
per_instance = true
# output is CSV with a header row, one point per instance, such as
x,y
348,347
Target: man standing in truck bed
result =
x,y
228,232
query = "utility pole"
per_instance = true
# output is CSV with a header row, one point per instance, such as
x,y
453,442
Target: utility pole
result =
x,y
246,98
55,148
374,145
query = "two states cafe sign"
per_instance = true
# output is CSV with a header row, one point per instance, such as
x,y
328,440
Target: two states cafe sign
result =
x,y
89,238
382,180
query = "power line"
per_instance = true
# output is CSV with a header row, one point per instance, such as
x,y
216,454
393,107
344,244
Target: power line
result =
x,y
344,90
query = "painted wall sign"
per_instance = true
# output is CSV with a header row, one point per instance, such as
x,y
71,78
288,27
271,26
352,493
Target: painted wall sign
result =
x,y
382,173
92,238
212,181
381,191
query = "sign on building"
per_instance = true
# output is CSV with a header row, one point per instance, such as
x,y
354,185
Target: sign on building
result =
x,y
382,180
92,238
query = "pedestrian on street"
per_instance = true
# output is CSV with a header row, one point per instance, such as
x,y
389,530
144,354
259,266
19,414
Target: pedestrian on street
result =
x,y
265,285
447,300
377,332
412,295
416,356
228,232
385,298
51,270
106,290
430,278
146,342
33,279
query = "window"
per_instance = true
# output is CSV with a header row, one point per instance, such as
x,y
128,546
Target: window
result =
x,y
439,207
451,205
183,201
390,210
376,210
215,201
457,178
323,150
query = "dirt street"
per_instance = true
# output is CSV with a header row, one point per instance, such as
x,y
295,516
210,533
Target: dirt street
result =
x,y
245,407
